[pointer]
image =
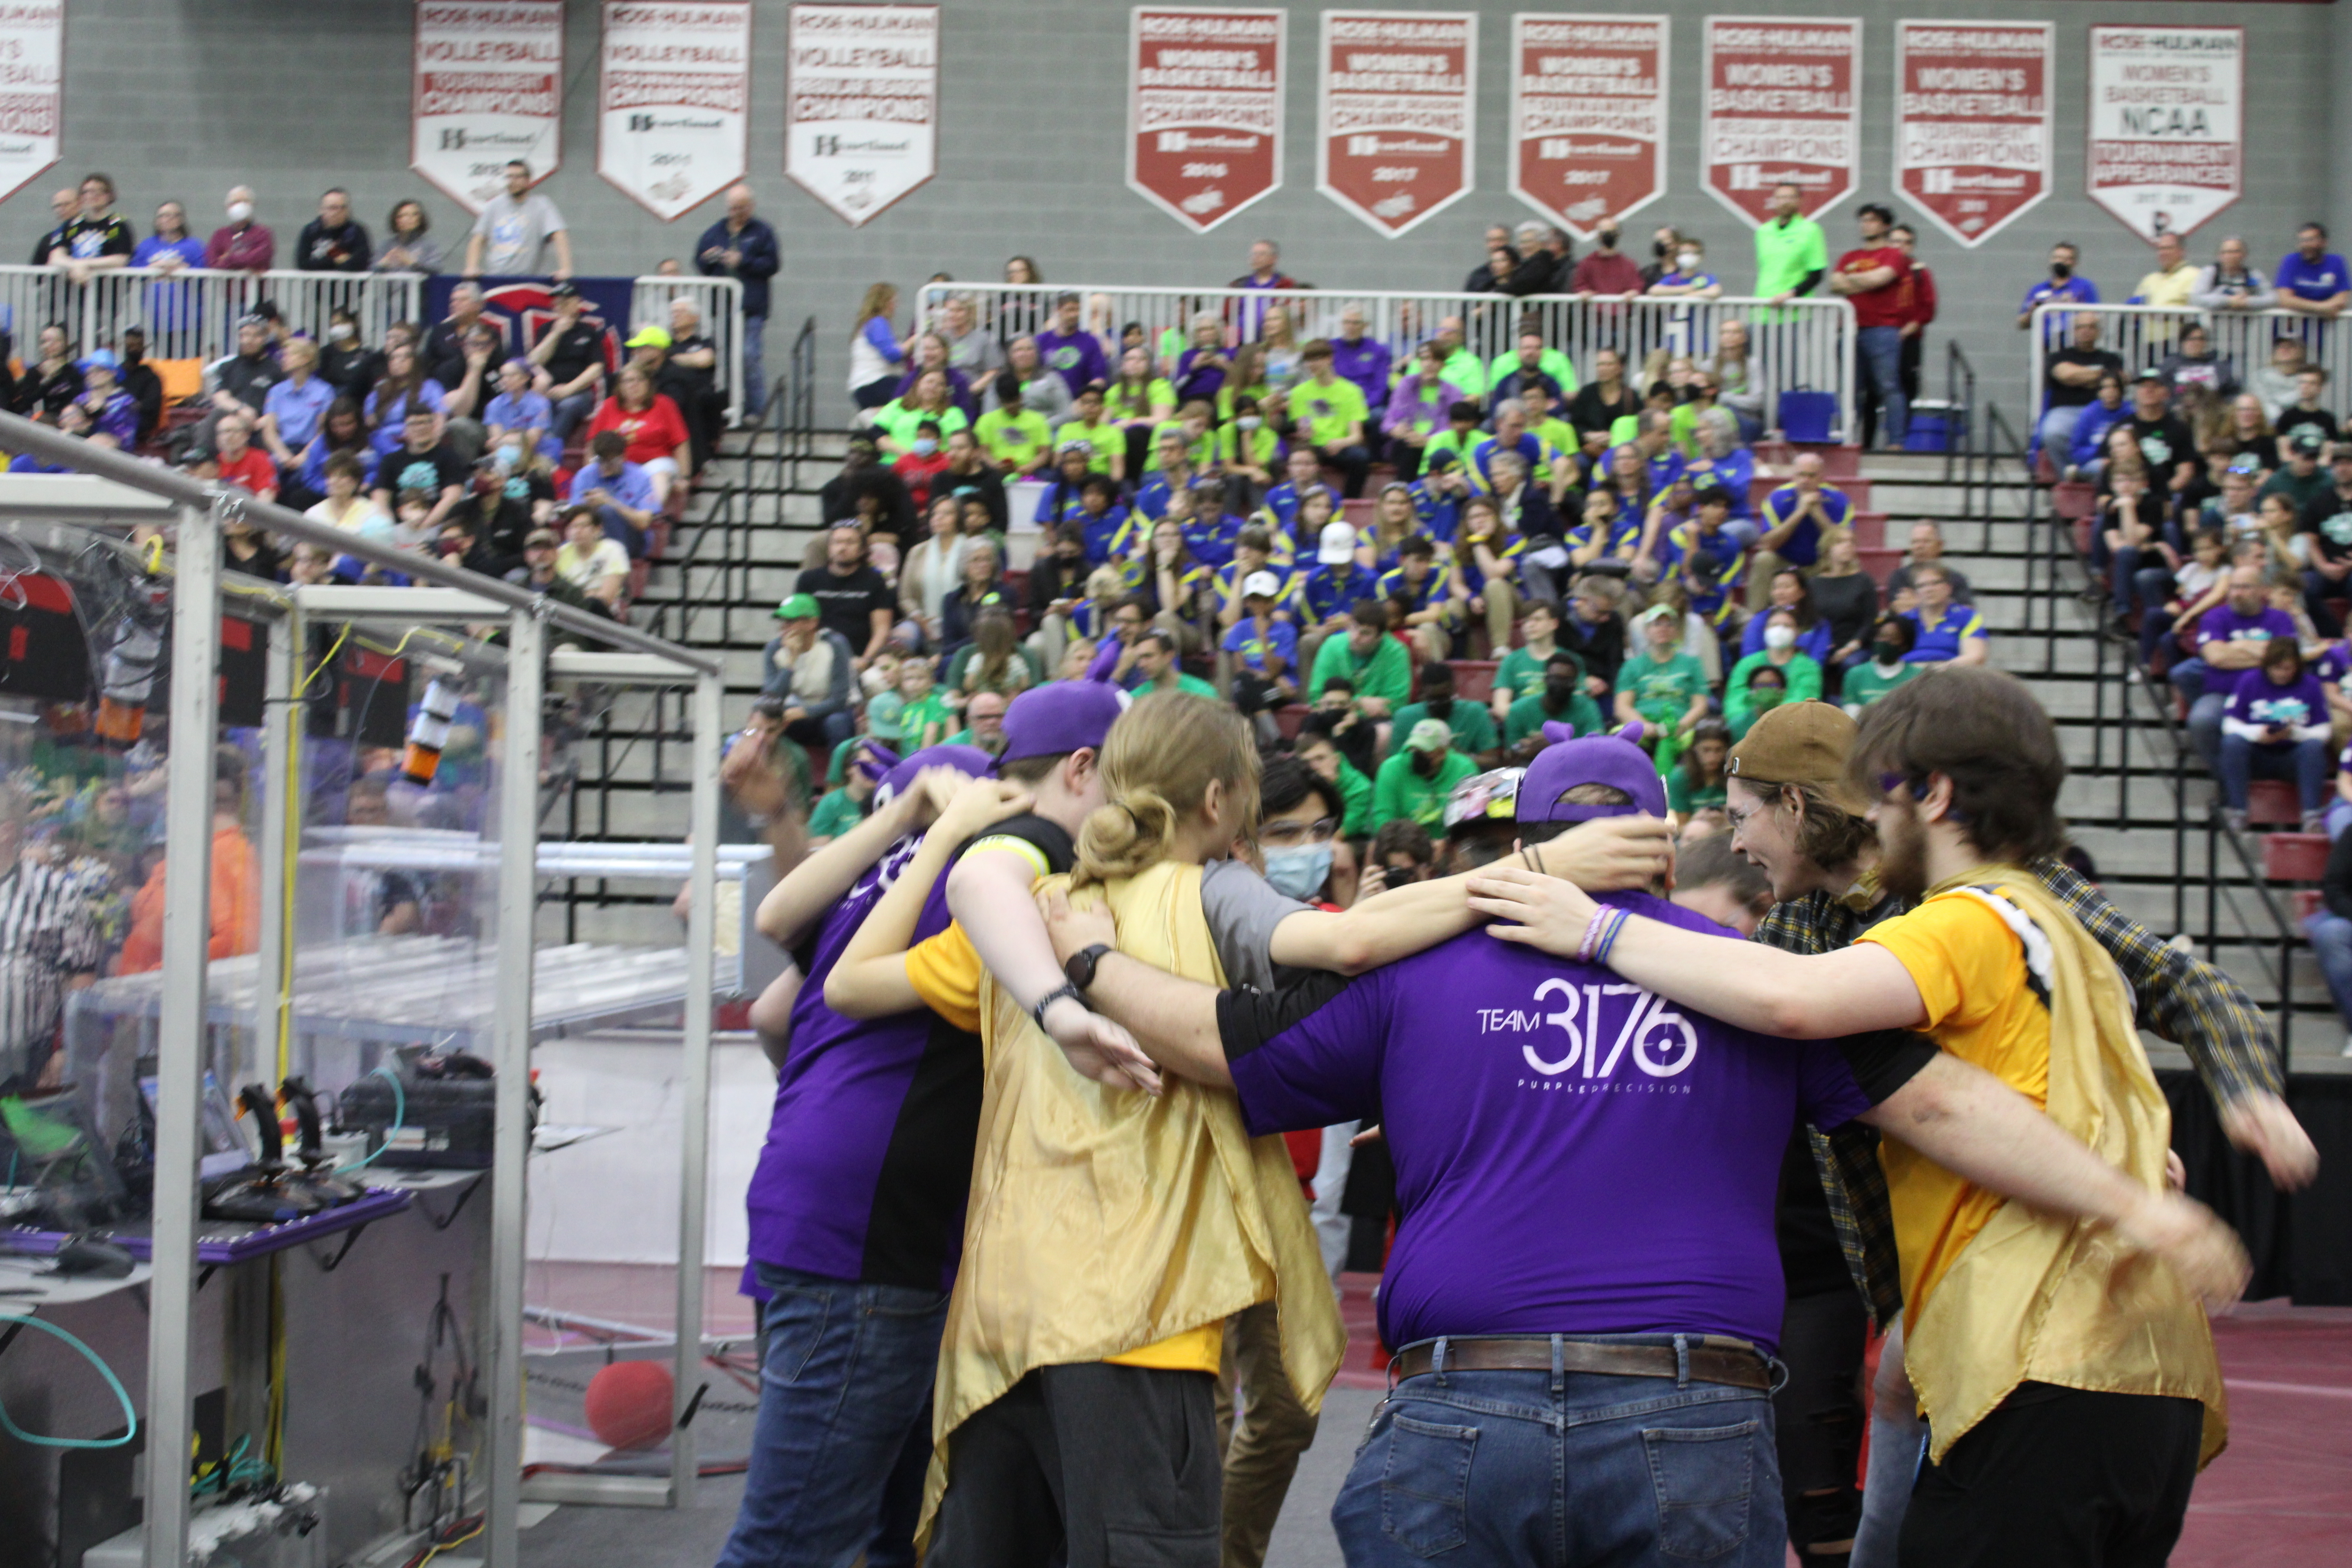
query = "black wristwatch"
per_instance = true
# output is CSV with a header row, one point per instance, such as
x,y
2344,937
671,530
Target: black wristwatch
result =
x,y
1055,994
1079,968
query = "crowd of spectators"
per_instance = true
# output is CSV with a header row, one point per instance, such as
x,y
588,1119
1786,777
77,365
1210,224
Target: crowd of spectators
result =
x,y
540,456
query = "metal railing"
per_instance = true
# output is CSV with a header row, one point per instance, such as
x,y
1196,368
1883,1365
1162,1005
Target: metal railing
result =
x,y
2142,335
1806,344
792,407
192,313
1963,433
720,302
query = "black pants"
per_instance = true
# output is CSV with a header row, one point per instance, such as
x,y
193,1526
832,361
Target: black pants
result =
x,y
2058,1478
1114,1466
1818,1420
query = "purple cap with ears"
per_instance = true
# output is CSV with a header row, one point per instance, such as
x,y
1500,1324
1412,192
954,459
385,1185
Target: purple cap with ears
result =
x,y
1612,760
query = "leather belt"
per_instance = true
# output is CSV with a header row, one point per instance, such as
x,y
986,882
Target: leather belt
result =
x,y
1702,1359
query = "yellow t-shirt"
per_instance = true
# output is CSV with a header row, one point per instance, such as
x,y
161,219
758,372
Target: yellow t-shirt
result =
x,y
1984,1009
945,973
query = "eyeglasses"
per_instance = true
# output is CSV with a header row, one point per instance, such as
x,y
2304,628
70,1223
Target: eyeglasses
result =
x,y
1287,835
1889,782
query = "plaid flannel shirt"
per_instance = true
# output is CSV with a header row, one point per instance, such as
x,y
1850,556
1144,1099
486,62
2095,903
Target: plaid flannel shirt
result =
x,y
2179,998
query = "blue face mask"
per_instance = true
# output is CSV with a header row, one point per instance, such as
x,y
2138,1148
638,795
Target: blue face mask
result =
x,y
924,445
1299,872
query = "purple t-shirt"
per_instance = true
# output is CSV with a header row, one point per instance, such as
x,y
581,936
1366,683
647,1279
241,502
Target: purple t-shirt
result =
x,y
2222,624
1078,358
1573,1155
2260,701
868,1163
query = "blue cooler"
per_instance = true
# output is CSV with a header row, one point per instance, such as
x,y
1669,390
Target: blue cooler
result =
x,y
1936,426
1807,418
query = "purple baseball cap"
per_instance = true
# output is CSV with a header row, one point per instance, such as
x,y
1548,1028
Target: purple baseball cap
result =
x,y
964,759
1613,759
1064,716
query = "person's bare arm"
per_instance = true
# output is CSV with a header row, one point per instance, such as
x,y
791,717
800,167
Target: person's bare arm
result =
x,y
562,237
473,268
1976,1127
1173,1020
795,905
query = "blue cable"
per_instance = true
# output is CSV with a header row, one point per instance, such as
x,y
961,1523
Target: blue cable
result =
x,y
129,1415
399,1120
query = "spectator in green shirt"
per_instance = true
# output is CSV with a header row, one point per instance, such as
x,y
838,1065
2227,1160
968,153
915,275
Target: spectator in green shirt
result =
x,y
1330,409
1413,783
924,719
1558,700
841,808
1472,726
1662,689
1521,671
1157,668
1768,688
1462,370
1017,440
1696,782
1374,661
1321,754
1105,442
1791,257
1889,666
1801,673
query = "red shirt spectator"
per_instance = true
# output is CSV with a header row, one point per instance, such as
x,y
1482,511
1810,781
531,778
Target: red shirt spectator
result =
x,y
1889,304
1606,270
919,471
251,470
241,244
656,432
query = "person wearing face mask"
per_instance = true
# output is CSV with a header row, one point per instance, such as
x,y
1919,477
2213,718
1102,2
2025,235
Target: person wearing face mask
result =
x,y
241,244
2065,285
1605,272
520,414
1688,278
1892,641
1799,673
1560,700
345,362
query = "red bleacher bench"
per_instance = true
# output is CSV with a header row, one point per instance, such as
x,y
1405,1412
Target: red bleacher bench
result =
x,y
2074,499
1473,679
2308,902
1880,561
2273,803
1289,717
2294,857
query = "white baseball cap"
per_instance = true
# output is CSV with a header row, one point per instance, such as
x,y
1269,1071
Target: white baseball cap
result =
x,y
1261,584
1339,543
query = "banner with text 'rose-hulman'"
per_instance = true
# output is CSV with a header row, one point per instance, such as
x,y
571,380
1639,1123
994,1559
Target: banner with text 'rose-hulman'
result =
x,y
1204,109
673,100
1588,115
488,89
1972,123
1783,106
1395,112
861,104
2167,108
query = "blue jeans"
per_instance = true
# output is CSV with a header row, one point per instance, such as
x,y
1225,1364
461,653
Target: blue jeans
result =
x,y
2205,708
1881,361
2306,763
755,384
1578,1467
845,1424
2055,432
2331,943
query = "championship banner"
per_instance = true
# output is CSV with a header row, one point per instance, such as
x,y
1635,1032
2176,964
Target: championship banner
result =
x,y
1395,114
488,89
861,104
672,100
1972,123
1204,111
1588,115
2167,151
1783,106
32,90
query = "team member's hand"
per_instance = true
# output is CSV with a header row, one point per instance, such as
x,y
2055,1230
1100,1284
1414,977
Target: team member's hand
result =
x,y
966,805
2261,1125
1099,1049
1611,853
2187,1234
1073,929
1541,911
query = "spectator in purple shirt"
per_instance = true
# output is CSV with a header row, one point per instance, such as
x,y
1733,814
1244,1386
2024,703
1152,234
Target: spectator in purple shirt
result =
x,y
621,491
2231,640
1362,360
1070,350
113,412
2312,277
2275,727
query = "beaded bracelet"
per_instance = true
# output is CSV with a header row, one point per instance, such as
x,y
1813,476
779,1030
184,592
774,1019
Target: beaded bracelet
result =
x,y
1593,933
1610,941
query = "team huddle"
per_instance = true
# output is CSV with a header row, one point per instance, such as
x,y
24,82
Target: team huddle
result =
x,y
1040,1283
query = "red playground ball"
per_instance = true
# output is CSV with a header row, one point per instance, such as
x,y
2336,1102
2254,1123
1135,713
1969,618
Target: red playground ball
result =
x,y
628,1404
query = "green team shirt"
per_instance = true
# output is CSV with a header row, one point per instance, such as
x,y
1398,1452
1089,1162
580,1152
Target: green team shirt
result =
x,y
837,811
1473,726
914,716
1191,683
1682,799
898,422
1521,673
1015,441
1101,441
1447,440
1802,673
1399,792
1527,718
1562,438
1387,674
1203,453
1786,252
1662,692
1355,802
1865,684
1464,375
1554,365
1331,410
1123,404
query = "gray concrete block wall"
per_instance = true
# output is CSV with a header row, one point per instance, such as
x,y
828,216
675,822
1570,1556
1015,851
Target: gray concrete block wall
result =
x,y
184,98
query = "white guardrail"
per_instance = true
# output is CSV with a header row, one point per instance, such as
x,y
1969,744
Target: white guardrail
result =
x,y
193,313
1805,345
2142,335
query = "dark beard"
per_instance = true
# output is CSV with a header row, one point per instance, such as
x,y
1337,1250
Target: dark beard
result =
x,y
1903,854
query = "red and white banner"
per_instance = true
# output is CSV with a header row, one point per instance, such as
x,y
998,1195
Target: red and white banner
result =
x,y
32,90
673,125
2166,110
1204,109
861,104
489,89
1395,112
1588,115
1783,106
1972,122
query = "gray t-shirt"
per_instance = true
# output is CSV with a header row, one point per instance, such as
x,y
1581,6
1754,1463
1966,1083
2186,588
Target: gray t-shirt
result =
x,y
514,232
1243,909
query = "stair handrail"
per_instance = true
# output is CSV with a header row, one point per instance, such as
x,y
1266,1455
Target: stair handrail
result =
x,y
1960,392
